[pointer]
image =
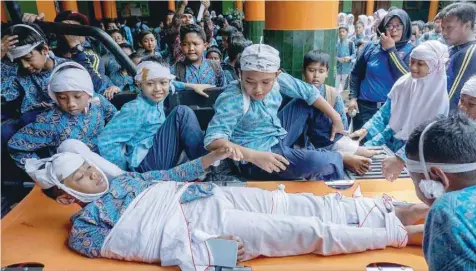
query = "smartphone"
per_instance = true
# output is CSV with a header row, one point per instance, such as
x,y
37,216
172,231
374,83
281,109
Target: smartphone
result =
x,y
378,32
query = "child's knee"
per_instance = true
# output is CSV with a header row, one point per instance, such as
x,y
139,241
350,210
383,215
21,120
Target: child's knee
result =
x,y
184,110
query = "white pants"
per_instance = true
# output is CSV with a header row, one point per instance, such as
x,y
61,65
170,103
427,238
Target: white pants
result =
x,y
340,82
275,224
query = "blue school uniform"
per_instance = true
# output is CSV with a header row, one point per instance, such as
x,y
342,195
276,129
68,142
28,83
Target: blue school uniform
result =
x,y
54,126
339,106
259,127
204,74
461,67
345,48
124,81
450,232
93,223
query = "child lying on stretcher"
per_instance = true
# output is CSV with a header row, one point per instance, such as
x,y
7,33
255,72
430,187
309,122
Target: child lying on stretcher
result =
x,y
158,216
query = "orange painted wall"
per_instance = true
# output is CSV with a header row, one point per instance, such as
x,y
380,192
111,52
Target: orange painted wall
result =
x,y
254,10
48,8
69,5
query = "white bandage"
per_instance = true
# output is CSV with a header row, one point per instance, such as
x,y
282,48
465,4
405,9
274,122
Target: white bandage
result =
x,y
19,51
149,70
69,76
260,58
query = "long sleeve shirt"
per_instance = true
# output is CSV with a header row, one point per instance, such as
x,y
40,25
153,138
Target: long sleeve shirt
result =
x,y
93,223
345,48
204,74
461,67
54,126
339,106
376,70
258,127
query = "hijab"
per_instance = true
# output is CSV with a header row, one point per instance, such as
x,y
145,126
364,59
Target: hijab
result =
x,y
407,26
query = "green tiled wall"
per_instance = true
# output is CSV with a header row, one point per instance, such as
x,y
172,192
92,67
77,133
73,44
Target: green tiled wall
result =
x,y
255,30
293,45
396,3
347,6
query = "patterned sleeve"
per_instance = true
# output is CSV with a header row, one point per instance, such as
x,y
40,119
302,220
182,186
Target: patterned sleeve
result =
x,y
379,121
10,89
221,80
229,109
340,108
189,171
296,88
123,126
87,236
33,137
107,108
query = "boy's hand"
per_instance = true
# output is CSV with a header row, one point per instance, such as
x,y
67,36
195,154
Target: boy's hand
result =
x,y
216,155
337,128
200,89
241,247
269,162
110,91
7,43
359,134
30,18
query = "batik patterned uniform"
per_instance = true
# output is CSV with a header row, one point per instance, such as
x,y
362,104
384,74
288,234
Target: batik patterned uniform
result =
x,y
33,87
55,126
123,80
204,74
94,222
450,232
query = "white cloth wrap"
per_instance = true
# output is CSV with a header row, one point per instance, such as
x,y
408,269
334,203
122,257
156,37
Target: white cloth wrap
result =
x,y
260,58
69,76
414,101
280,201
19,51
49,172
149,70
469,88
346,145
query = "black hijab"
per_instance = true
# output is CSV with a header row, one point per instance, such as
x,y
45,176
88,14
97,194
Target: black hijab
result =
x,y
407,26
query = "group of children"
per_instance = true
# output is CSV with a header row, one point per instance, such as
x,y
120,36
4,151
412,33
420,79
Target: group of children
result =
x,y
395,87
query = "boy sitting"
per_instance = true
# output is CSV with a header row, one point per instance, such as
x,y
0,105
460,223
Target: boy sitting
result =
x,y
442,162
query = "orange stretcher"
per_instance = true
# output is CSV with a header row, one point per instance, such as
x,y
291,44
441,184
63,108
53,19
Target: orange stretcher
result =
x,y
36,230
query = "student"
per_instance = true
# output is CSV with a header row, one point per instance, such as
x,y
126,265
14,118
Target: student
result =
x,y
446,181
359,35
349,22
76,114
379,66
226,33
417,32
140,137
196,69
458,26
126,31
246,119
237,43
123,79
415,98
345,57
148,44
111,64
117,36
435,33
341,18
214,53
467,102
151,217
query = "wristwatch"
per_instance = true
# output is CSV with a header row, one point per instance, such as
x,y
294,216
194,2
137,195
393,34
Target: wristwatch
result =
x,y
77,49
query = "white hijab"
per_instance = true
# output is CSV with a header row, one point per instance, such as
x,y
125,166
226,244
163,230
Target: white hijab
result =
x,y
349,21
341,18
415,101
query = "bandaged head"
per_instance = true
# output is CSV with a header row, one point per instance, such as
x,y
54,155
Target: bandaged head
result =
x,y
469,88
149,70
52,171
19,51
69,76
260,58
432,189
433,52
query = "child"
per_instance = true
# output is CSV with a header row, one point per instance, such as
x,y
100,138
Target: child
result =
x,y
140,137
75,115
111,64
415,98
195,68
341,18
246,119
117,36
434,30
359,34
236,44
350,25
467,102
446,181
123,80
345,57
458,26
214,53
148,44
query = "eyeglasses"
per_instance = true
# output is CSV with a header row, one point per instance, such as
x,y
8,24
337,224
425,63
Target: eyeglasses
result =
x,y
394,26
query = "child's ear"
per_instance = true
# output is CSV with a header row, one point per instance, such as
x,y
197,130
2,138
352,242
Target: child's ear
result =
x,y
438,175
65,199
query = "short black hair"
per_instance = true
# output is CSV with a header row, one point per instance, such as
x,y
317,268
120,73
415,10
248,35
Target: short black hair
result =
x,y
316,56
192,28
220,21
53,192
450,140
28,36
144,33
110,32
126,45
238,64
430,25
170,12
214,49
156,59
238,24
438,17
419,24
188,10
236,45
464,11
228,31
344,27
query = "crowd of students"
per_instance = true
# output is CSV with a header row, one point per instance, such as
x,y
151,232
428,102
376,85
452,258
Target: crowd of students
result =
x,y
399,76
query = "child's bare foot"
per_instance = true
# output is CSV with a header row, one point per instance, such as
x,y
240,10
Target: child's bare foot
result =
x,y
357,164
412,214
415,234
362,151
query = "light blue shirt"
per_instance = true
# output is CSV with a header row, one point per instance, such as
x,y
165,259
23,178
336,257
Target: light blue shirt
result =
x,y
259,128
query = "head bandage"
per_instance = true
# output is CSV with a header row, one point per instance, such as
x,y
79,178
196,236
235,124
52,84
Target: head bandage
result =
x,y
69,76
260,58
19,51
52,171
430,188
469,88
149,70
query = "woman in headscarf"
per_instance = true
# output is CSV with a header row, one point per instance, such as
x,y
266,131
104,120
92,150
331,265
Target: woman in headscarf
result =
x,y
365,21
416,97
350,25
341,18
369,31
379,66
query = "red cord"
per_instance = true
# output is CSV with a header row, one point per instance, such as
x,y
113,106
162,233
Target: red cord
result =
x,y
367,216
189,238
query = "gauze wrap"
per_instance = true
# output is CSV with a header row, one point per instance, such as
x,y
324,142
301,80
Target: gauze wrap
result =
x,y
260,58
469,88
52,171
70,76
19,51
149,70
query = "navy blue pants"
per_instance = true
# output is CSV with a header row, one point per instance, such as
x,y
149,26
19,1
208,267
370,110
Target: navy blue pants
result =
x,y
298,118
180,132
366,111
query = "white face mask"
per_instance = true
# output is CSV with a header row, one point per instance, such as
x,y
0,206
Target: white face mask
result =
x,y
432,189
